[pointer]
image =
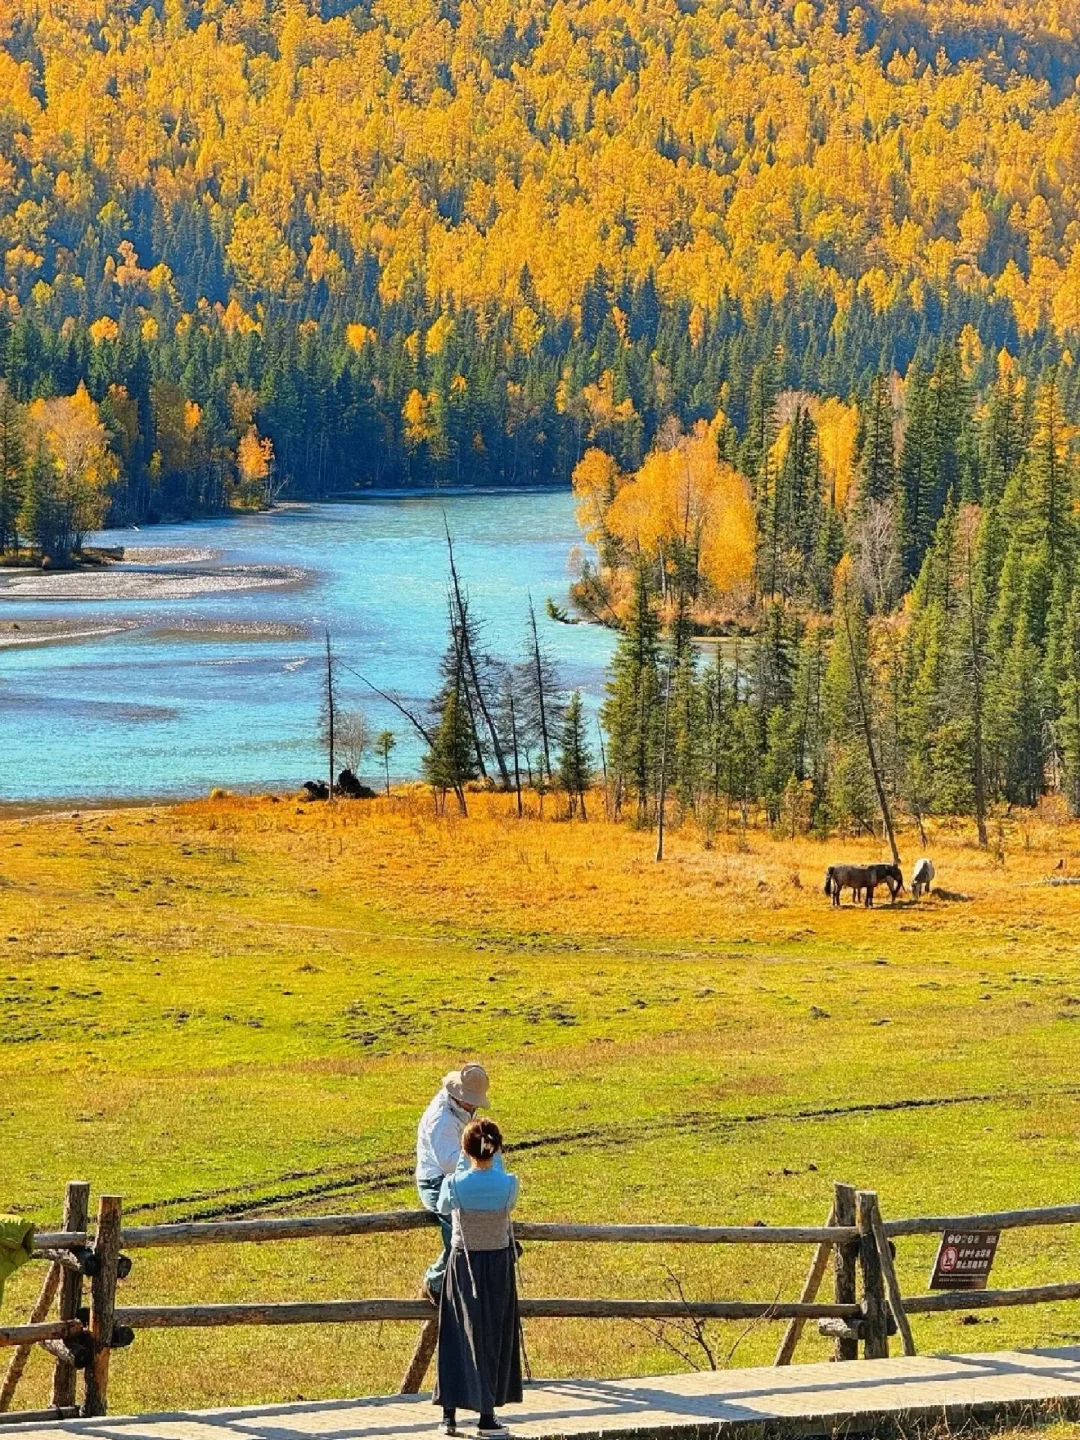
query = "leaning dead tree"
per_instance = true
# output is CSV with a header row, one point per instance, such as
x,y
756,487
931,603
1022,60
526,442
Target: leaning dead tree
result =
x,y
475,690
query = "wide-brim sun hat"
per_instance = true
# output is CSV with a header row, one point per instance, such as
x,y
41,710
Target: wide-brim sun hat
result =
x,y
469,1085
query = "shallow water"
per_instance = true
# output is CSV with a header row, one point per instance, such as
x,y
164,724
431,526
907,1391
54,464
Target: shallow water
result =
x,y
199,665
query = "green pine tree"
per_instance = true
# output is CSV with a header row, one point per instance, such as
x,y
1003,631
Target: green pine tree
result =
x,y
877,460
576,764
40,518
13,468
450,762
851,783
631,712
1038,500
778,762
687,746
1067,708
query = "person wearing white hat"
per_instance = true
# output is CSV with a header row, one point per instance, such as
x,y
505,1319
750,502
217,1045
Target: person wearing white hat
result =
x,y
438,1150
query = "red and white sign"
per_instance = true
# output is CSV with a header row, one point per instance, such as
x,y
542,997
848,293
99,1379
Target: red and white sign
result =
x,y
964,1259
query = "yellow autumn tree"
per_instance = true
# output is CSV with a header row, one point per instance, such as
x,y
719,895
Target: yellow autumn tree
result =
x,y
838,434
176,423
71,477
684,495
254,467
596,481
104,329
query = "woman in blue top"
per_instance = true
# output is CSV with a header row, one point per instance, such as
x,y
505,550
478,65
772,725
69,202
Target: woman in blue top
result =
x,y
479,1365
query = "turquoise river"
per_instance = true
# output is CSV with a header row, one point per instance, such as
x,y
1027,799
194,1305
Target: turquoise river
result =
x,y
196,662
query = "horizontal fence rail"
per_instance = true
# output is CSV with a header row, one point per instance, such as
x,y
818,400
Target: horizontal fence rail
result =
x,y
326,1227
991,1220
688,1234
61,1240
347,1312
14,1335
40,1417
991,1299
312,1227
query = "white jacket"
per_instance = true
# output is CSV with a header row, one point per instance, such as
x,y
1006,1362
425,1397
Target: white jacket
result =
x,y
438,1137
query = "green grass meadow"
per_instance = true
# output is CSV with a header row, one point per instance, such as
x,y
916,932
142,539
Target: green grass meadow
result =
x,y
242,1008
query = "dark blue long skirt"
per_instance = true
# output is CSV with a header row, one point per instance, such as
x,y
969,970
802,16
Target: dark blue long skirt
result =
x,y
479,1363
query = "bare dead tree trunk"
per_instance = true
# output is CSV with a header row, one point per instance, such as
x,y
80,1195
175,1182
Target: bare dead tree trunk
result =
x,y
410,715
978,778
514,742
540,700
470,662
457,630
870,752
330,715
662,796
603,766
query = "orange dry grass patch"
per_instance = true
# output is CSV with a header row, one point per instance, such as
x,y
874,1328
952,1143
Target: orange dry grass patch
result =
x,y
491,871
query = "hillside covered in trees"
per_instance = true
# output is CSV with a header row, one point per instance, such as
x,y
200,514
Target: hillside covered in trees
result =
x,y
305,246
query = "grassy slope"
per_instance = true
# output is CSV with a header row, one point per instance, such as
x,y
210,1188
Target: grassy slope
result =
x,y
241,1005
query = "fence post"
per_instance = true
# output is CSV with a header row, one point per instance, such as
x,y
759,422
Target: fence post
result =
x,y
103,1304
814,1276
892,1284
418,1365
845,1259
19,1357
875,1309
76,1216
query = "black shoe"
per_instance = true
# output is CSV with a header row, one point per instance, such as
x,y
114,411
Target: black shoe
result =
x,y
448,1424
489,1428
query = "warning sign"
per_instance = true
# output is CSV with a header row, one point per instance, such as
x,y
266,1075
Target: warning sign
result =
x,y
963,1259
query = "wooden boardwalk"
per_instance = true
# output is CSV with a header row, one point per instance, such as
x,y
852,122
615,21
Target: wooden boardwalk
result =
x,y
862,1397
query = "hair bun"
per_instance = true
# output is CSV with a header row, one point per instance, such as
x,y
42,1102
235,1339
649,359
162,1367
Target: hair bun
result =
x,y
482,1139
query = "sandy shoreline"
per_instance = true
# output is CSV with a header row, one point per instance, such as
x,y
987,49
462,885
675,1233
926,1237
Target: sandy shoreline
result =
x,y
124,582
55,632
168,555
21,633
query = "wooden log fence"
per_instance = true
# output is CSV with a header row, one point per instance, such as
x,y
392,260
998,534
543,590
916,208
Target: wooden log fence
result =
x,y
819,1264
19,1335
846,1346
856,1242
337,1312
989,1220
875,1319
39,1314
991,1299
324,1227
103,1304
76,1216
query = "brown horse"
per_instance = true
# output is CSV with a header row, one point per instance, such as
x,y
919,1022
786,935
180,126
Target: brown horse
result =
x,y
855,878
890,877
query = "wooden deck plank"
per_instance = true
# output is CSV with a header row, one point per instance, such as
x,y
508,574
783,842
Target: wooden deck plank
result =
x,y
797,1400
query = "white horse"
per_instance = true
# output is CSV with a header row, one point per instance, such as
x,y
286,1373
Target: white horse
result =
x,y
921,877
